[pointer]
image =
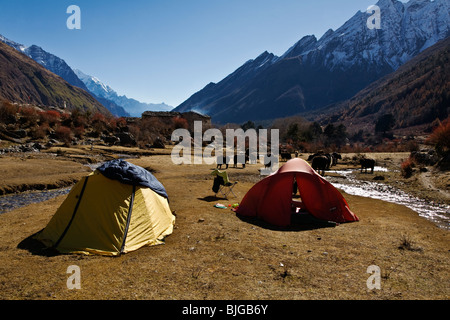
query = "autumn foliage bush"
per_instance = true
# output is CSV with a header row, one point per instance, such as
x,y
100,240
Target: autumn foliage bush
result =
x,y
440,137
8,112
407,168
40,132
64,134
51,117
29,115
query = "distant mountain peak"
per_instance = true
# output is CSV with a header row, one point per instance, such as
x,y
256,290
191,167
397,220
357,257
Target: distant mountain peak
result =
x,y
97,87
102,92
49,61
303,46
25,81
132,106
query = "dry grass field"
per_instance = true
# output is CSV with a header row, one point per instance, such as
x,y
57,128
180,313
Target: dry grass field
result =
x,y
214,255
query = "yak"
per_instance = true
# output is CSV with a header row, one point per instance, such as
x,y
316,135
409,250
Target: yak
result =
x,y
367,164
286,156
335,156
320,163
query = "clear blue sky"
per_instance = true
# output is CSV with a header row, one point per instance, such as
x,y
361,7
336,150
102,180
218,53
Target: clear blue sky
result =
x,y
166,50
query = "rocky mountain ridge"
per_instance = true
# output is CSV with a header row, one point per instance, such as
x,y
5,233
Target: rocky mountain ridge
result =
x,y
315,73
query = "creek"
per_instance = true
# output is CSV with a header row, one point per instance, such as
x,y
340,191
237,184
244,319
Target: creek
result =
x,y
17,200
437,213
14,201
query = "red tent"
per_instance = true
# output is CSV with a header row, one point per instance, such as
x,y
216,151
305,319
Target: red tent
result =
x,y
271,198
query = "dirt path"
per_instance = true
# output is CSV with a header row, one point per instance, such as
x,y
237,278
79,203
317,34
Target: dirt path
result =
x,y
427,180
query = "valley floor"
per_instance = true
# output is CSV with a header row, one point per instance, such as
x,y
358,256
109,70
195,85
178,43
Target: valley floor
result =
x,y
213,254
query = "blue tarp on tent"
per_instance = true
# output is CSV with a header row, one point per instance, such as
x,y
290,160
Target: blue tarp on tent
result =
x,y
132,174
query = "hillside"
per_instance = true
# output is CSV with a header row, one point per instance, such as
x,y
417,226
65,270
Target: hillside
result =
x,y
24,81
415,95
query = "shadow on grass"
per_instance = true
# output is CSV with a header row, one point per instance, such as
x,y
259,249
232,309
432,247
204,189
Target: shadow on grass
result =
x,y
36,247
212,199
297,223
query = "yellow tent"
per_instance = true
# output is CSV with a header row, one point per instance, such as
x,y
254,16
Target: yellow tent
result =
x,y
116,209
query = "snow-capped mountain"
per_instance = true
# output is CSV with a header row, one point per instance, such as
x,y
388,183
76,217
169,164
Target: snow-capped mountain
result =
x,y
59,67
49,61
134,107
15,45
23,80
315,73
117,105
414,96
95,85
406,30
54,64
